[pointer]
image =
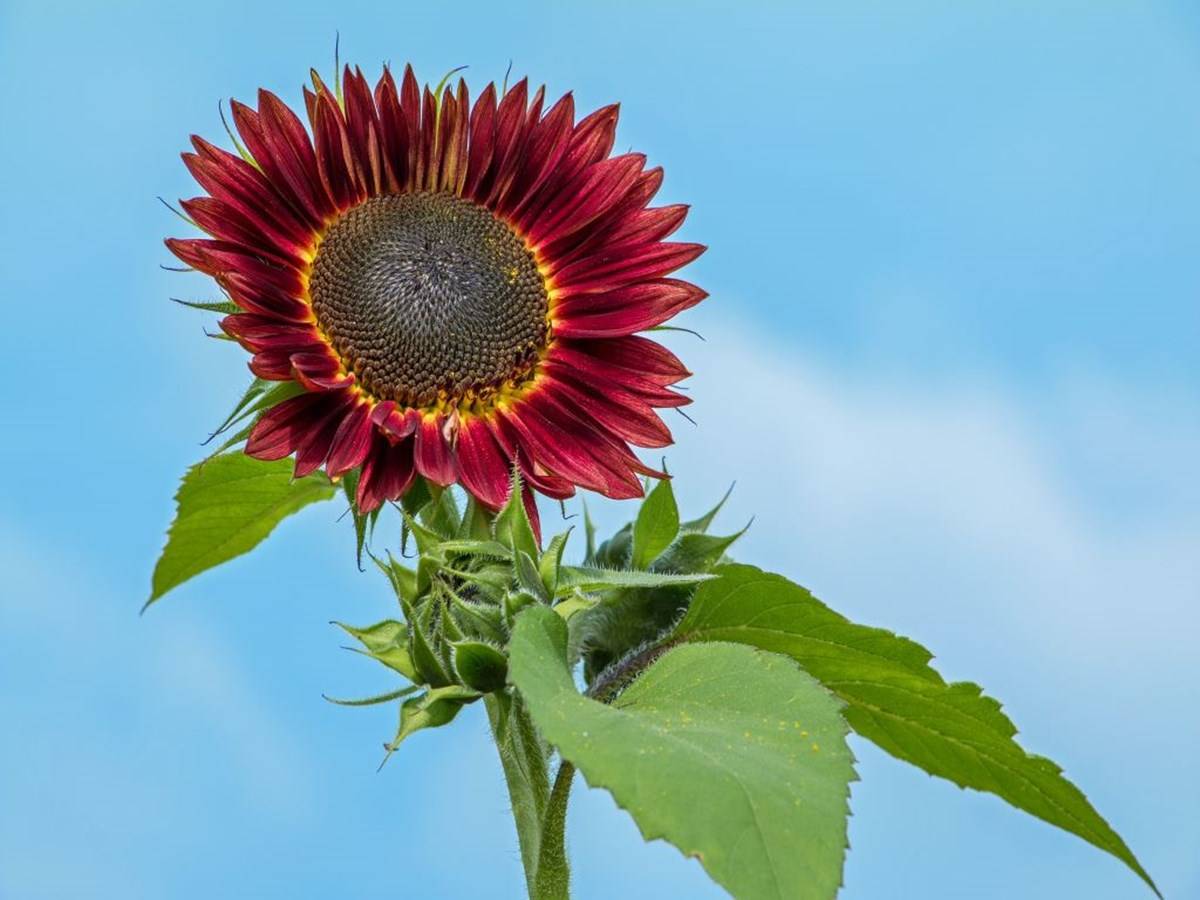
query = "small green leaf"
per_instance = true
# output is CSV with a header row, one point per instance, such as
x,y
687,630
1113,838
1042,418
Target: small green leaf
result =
x,y
225,507
656,525
386,642
895,698
733,755
581,578
480,666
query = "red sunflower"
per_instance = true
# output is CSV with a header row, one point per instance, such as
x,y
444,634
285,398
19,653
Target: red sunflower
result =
x,y
457,286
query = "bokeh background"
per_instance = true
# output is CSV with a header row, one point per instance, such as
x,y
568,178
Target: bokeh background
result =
x,y
951,362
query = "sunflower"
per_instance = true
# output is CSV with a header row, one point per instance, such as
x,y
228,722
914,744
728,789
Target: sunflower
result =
x,y
457,287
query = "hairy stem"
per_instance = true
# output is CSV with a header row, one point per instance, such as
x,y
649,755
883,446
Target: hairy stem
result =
x,y
553,871
523,757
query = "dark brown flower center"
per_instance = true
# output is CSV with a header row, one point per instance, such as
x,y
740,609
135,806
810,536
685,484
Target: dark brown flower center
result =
x,y
428,297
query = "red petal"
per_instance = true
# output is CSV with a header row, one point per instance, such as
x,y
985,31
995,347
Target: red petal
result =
x,y
386,474
624,310
285,426
482,141
352,441
603,270
433,457
483,468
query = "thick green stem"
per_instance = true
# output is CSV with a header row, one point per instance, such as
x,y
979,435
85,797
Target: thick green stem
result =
x,y
523,757
553,871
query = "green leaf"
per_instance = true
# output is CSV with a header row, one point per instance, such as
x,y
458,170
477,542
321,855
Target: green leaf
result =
x,y
734,756
385,642
528,577
225,507
656,525
585,578
895,698
470,547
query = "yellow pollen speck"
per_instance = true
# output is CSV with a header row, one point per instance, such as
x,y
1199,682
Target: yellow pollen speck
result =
x,y
815,748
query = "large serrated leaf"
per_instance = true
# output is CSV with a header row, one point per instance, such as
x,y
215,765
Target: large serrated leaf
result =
x,y
734,756
225,507
895,698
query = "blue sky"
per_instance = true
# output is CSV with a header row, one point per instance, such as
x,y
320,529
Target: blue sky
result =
x,y
950,361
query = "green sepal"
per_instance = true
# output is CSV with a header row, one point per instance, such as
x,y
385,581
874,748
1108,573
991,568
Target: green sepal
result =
x,y
694,551
385,642
223,307
481,620
656,525
432,669
614,553
440,515
402,578
551,560
476,522
481,666
512,527
475,547
701,524
375,700
588,579
589,536
432,709
528,577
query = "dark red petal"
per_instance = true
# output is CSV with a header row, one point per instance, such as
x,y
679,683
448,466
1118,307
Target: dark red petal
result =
x,y
483,468
320,370
258,332
394,423
273,365
647,261
339,169
314,449
585,198
509,141
393,131
233,180
547,143
432,453
283,427
261,295
548,446
616,411
482,141
648,359
363,128
386,474
226,222
352,441
625,310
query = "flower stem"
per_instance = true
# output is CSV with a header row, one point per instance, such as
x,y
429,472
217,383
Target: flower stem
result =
x,y
553,870
539,814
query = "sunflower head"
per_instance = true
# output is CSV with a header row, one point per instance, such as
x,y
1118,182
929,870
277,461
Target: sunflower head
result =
x,y
458,287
